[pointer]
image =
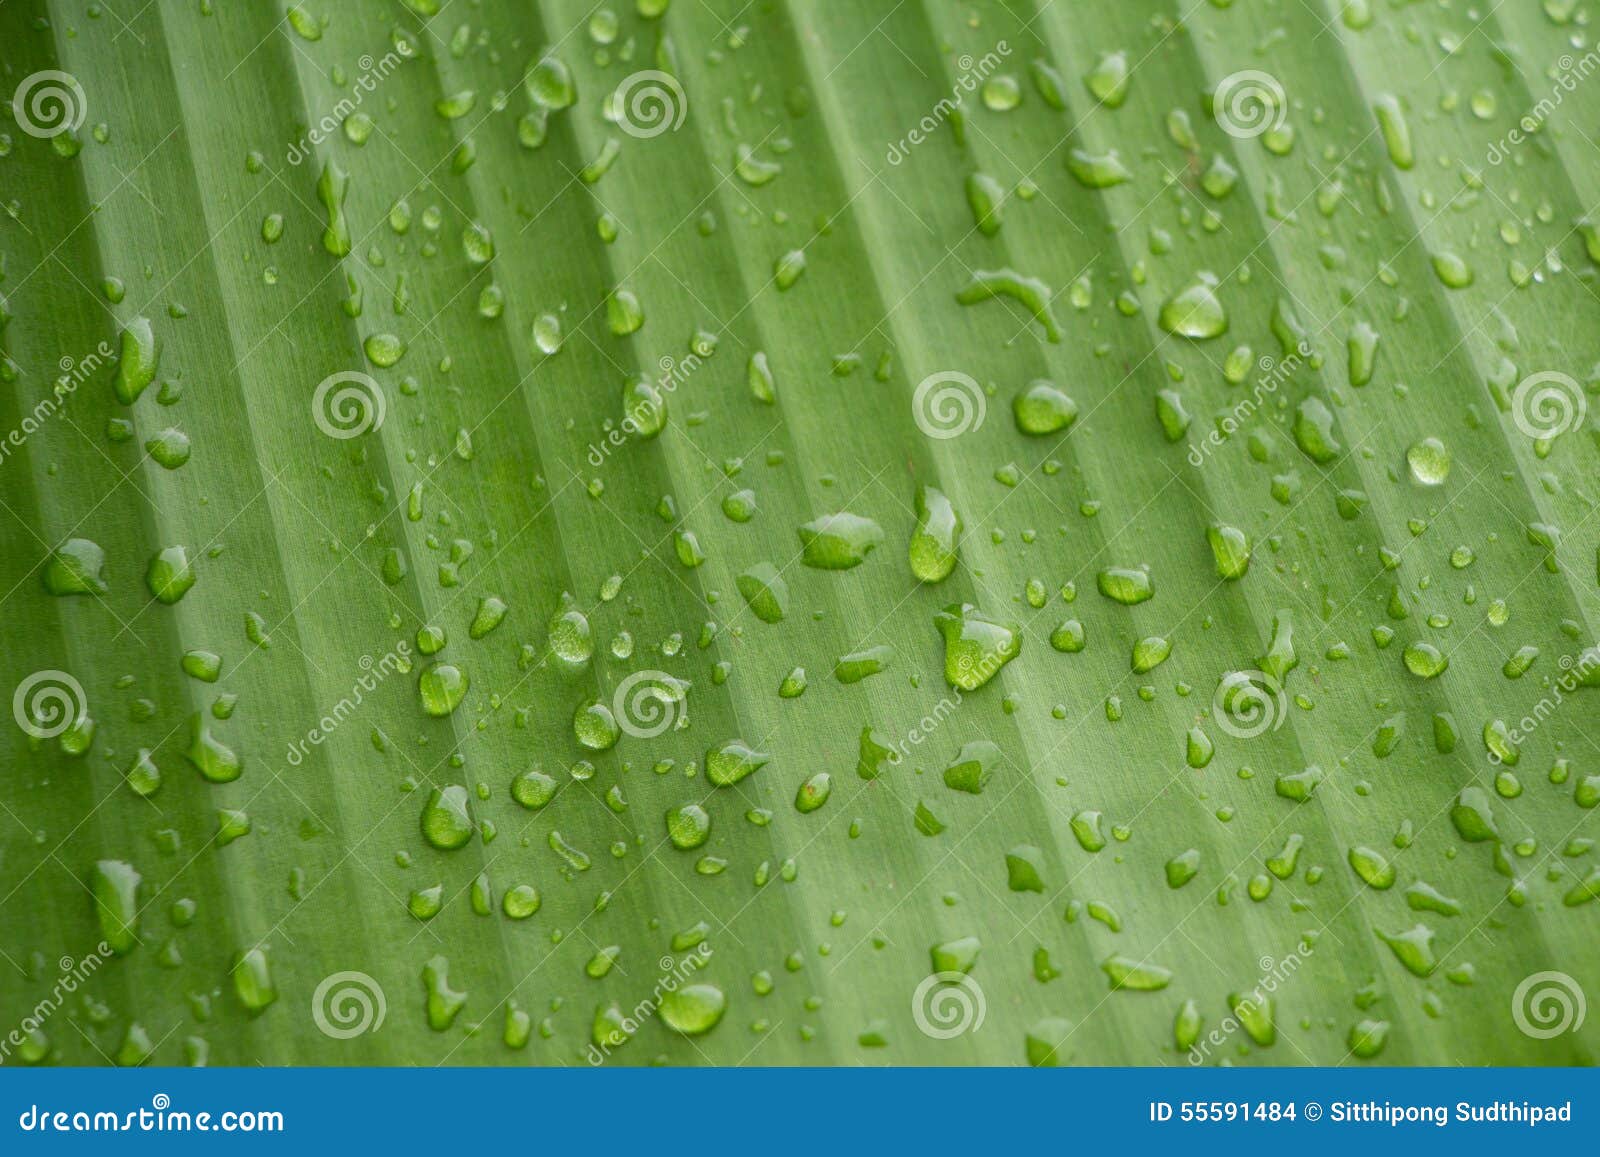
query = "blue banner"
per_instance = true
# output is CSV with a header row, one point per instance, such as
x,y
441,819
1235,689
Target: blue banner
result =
x,y
780,1111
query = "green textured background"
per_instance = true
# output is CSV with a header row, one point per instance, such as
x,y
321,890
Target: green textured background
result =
x,y
289,524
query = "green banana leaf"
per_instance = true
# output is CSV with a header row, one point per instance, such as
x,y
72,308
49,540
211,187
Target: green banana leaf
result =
x,y
799,532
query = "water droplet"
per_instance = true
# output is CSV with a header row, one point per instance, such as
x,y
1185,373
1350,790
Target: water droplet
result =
x,y
595,727
1137,975
1230,548
383,349
694,1009
215,760
624,314
169,575
442,687
975,645
688,826
972,766
935,540
533,789
1043,409
1108,80
444,1002
786,270
1149,653
1183,868
76,567
838,541
1363,351
1030,292
1068,637
140,360
1372,867
114,884
1313,431
1396,132
1429,461
765,592
550,85
813,792
732,761
252,981
759,377
1098,170
1424,660
985,196
446,818
521,901
1126,585
1195,311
